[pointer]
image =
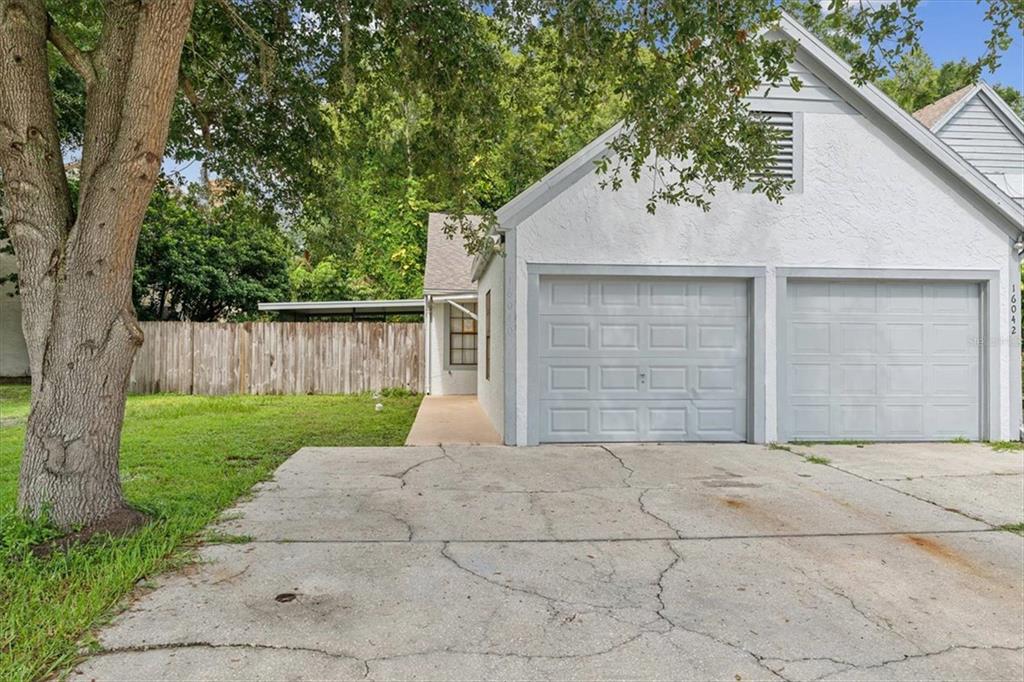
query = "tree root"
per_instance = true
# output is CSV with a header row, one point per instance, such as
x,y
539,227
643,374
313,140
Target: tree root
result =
x,y
120,522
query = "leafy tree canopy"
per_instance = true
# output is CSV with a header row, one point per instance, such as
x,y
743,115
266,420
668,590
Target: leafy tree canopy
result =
x,y
354,119
274,92
207,258
917,82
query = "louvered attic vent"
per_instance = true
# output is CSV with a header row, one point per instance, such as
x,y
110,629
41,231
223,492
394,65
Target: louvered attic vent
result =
x,y
782,166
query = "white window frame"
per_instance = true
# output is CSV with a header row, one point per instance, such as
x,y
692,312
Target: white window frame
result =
x,y
466,309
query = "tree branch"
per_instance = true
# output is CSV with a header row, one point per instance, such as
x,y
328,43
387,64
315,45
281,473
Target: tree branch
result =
x,y
78,59
189,90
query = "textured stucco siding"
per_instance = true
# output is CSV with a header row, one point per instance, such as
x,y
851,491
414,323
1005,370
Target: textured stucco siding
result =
x,y
13,355
446,380
867,202
490,393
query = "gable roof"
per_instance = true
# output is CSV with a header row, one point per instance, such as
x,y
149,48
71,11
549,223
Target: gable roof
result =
x,y
449,267
982,128
836,73
930,115
982,91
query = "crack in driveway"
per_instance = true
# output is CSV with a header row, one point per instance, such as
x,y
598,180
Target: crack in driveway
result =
x,y
666,596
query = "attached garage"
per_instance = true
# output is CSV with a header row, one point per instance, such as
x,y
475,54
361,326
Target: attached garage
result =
x,y
879,299
642,359
881,360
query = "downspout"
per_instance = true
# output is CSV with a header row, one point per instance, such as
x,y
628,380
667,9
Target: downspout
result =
x,y
1017,320
428,330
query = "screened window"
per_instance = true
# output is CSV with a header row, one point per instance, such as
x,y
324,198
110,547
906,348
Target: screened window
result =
x,y
461,336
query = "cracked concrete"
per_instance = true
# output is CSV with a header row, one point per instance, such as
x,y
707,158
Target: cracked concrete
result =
x,y
591,562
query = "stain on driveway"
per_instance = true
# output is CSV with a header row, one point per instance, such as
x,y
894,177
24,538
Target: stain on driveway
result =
x,y
621,562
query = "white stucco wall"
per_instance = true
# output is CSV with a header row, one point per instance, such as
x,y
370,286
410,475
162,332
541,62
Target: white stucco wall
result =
x,y
867,202
445,380
13,355
490,392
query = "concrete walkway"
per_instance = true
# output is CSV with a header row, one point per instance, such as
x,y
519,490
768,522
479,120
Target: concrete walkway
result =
x,y
728,562
452,420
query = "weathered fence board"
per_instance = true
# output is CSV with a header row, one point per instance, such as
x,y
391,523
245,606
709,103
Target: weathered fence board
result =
x,y
213,358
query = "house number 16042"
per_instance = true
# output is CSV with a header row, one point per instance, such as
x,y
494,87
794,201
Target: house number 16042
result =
x,y
1014,296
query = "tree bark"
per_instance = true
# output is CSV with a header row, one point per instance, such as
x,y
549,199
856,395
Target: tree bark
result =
x,y
75,263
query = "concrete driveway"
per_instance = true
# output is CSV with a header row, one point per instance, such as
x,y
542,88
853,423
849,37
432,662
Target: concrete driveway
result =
x,y
731,562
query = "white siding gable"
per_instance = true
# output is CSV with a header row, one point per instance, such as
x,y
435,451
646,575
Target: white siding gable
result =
x,y
981,136
812,89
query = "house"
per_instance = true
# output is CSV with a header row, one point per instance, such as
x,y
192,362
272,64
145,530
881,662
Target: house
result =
x,y
13,353
979,126
448,308
449,313
878,301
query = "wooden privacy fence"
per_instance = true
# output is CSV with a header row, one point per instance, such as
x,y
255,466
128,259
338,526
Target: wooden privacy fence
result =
x,y
211,358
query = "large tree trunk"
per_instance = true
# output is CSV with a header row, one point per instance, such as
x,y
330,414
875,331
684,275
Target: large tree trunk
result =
x,y
75,266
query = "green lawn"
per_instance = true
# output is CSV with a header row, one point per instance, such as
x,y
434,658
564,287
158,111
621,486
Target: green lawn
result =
x,y
183,460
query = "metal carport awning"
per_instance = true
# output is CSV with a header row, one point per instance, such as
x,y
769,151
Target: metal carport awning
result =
x,y
354,309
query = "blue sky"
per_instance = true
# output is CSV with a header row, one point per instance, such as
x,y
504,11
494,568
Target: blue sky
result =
x,y
957,28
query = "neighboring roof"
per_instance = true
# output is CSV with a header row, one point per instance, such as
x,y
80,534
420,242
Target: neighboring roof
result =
x,y
409,305
976,147
867,99
990,97
931,114
449,267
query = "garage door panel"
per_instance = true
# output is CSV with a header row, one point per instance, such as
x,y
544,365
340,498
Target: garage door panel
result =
x,y
567,337
643,359
668,336
620,335
952,380
641,377
645,420
896,298
909,370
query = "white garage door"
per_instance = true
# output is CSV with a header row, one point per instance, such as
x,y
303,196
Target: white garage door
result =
x,y
641,359
881,360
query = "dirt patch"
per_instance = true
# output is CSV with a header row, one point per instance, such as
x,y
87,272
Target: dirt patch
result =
x,y
120,522
733,503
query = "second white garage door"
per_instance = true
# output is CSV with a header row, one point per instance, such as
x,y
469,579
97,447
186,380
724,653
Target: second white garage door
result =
x,y
641,359
881,360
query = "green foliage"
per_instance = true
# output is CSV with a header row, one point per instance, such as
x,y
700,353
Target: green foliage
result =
x,y
208,260
365,233
323,282
184,459
355,119
916,82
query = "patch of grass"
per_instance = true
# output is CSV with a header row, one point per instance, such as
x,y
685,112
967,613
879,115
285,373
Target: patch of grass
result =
x,y
13,404
1006,445
214,537
184,459
817,459
1017,528
780,446
960,439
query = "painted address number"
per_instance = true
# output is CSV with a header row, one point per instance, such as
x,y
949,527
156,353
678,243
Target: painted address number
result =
x,y
1014,301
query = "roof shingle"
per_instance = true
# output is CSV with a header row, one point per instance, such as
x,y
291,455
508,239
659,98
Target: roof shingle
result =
x,y
449,268
930,115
